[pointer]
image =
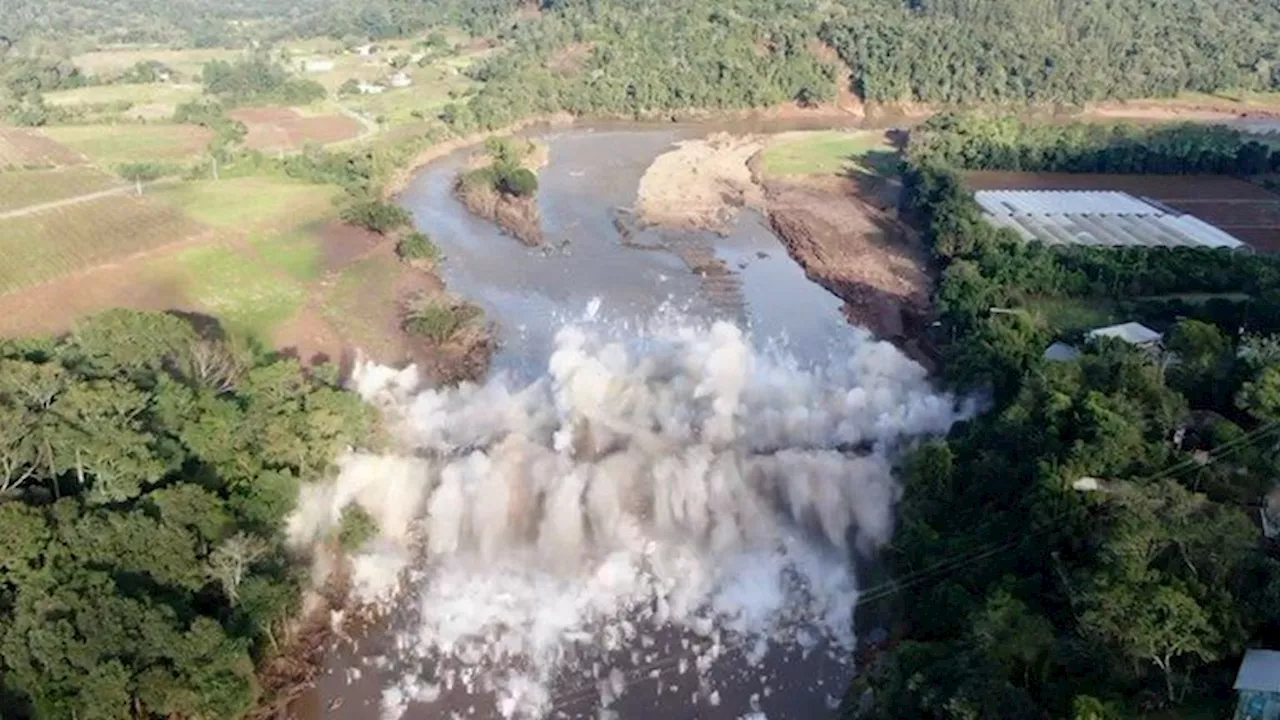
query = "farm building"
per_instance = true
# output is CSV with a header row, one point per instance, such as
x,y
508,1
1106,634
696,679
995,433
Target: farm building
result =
x,y
317,65
370,89
1100,218
400,80
1258,686
1131,332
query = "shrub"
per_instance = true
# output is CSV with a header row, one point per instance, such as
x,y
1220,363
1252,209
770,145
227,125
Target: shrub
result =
x,y
356,527
417,246
519,181
439,319
376,215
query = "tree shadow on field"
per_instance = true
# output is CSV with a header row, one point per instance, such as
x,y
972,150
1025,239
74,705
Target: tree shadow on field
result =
x,y
877,176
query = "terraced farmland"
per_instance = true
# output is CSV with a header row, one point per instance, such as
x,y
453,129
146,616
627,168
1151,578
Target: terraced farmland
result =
x,y
32,187
21,147
110,145
38,247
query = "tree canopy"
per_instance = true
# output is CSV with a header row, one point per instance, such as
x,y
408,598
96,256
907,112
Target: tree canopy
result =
x,y
145,473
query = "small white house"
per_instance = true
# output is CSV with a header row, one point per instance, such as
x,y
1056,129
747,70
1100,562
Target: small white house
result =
x,y
1130,332
317,65
370,88
417,57
365,50
400,80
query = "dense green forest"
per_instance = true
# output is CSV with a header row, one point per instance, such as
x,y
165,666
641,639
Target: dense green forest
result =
x,y
959,51
616,57
146,469
1023,596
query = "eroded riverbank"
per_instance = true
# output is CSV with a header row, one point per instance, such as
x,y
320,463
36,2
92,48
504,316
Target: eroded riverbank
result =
x,y
608,277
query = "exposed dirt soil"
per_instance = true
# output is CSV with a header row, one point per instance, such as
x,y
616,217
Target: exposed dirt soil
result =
x,y
55,306
860,252
1176,110
700,184
312,339
517,216
20,147
1246,211
286,129
342,244
846,99
843,231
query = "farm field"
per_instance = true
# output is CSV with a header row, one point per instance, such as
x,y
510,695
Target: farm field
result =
x,y
249,203
231,283
151,101
827,152
22,147
1249,212
434,87
35,248
187,63
22,188
273,128
110,145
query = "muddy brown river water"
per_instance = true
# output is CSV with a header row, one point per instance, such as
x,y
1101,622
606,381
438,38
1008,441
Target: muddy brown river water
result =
x,y
598,268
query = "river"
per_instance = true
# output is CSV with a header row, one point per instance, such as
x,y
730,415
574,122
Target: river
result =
x,y
605,276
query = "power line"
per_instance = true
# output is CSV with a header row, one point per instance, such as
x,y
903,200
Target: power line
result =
x,y
949,565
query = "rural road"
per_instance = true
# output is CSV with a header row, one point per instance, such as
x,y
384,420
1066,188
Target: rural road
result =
x,y
371,128
53,205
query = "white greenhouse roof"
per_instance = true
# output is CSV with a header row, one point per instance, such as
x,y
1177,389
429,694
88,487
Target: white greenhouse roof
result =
x,y
1096,217
1259,671
1130,332
1061,352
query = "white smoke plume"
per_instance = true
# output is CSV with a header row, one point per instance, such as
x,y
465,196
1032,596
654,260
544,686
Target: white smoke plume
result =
x,y
677,478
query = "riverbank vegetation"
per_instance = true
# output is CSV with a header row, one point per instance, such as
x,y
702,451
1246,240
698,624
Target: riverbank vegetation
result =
x,y
1087,548
503,188
147,468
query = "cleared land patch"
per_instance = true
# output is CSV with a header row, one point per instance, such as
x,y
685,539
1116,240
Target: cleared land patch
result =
x,y
1246,211
828,152
111,145
35,248
117,60
150,101
23,188
233,284
288,129
21,147
249,203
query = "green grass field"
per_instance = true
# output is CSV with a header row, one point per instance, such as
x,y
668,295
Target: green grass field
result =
x,y
249,203
830,152
39,247
21,188
361,294
116,60
247,295
296,253
111,145
151,101
1066,315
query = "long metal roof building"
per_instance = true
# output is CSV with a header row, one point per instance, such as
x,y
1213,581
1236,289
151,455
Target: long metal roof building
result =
x,y
1097,217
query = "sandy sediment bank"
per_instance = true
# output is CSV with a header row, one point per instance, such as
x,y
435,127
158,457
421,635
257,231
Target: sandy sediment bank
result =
x,y
700,184
844,232
518,216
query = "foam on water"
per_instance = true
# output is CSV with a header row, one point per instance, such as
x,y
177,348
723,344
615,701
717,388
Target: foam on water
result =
x,y
670,477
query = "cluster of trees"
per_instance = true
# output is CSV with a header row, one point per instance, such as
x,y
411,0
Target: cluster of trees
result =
x,y
257,80
1000,142
145,473
1022,595
608,57
1042,51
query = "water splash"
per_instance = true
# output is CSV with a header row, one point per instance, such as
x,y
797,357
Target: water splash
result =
x,y
672,477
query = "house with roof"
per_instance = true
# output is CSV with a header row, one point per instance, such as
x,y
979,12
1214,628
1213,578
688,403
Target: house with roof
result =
x,y
1257,686
317,65
400,80
1135,334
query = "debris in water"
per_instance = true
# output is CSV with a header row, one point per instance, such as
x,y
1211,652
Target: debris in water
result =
x,y
675,479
